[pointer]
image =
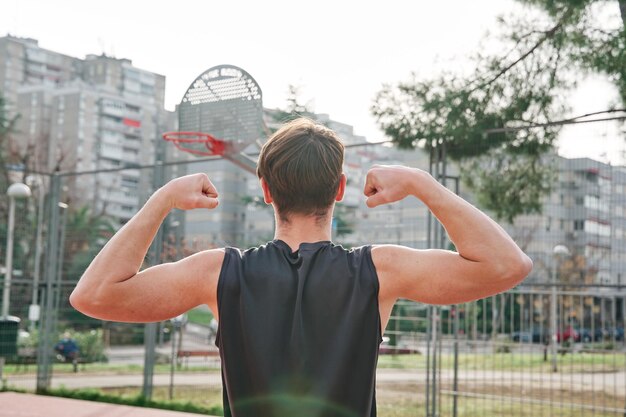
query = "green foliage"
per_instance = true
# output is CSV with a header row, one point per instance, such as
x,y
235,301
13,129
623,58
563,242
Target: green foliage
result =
x,y
87,233
29,342
138,401
341,215
508,195
493,113
294,108
199,316
91,345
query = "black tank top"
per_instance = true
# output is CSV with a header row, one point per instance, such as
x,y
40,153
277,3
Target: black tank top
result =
x,y
299,331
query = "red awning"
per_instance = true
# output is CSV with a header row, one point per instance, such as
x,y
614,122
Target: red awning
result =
x,y
131,122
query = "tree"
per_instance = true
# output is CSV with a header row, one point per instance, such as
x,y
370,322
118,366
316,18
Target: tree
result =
x,y
294,108
499,122
7,127
86,235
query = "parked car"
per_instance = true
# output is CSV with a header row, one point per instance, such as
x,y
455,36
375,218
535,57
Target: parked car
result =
x,y
536,336
570,334
586,335
600,334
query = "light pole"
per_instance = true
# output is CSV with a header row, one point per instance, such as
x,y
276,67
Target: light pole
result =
x,y
557,251
17,190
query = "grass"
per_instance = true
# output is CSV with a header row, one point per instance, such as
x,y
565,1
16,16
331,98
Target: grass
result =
x,y
569,363
199,316
523,362
526,362
110,369
208,397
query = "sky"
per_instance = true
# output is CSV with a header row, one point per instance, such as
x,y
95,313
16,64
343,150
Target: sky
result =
x,y
339,53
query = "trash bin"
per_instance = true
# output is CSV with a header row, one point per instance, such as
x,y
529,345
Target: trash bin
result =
x,y
8,335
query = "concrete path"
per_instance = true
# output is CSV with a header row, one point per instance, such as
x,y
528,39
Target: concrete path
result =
x,y
14,404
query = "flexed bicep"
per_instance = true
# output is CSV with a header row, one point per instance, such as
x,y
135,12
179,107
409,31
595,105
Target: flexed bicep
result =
x,y
435,276
160,292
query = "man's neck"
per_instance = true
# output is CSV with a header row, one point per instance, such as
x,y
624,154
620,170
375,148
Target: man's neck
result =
x,y
300,229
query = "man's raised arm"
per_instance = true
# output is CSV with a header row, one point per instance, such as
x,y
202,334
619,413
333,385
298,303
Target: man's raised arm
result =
x,y
112,288
487,262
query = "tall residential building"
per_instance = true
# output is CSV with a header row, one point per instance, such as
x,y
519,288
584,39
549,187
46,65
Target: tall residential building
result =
x,y
585,212
89,114
23,62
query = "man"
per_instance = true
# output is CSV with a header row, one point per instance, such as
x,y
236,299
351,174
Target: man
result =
x,y
300,319
68,350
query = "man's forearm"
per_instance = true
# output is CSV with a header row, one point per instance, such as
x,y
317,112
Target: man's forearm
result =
x,y
475,235
122,256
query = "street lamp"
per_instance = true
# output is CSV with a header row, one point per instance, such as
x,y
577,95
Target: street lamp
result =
x,y
17,190
557,251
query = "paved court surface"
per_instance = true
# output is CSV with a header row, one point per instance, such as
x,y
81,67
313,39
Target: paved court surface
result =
x,y
14,404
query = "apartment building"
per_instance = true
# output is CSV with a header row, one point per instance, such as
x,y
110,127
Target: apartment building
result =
x,y
90,114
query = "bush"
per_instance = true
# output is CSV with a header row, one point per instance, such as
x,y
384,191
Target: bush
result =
x,y
91,345
28,342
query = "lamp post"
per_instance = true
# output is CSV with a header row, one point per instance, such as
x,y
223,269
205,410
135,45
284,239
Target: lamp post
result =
x,y
557,251
17,190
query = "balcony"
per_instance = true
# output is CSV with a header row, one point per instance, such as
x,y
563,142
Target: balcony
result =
x,y
111,152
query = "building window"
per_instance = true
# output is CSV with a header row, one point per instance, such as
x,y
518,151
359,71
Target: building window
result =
x,y
595,203
597,228
579,225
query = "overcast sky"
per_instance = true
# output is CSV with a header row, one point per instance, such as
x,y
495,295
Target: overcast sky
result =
x,y
339,52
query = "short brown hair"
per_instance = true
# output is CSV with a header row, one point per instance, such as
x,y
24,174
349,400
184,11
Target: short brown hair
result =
x,y
302,164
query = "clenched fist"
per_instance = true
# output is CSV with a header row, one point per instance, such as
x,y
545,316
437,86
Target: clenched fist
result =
x,y
386,184
190,192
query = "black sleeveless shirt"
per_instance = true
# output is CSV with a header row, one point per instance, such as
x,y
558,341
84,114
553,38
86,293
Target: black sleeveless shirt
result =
x,y
298,331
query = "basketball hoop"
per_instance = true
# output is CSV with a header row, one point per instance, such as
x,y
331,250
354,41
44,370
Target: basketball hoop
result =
x,y
197,143
227,102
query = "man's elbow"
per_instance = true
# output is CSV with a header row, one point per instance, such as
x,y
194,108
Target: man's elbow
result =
x,y
77,300
517,269
85,302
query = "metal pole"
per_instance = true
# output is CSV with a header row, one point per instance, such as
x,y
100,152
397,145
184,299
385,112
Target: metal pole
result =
x,y
48,319
150,329
429,329
9,259
61,254
435,325
553,311
455,381
38,244
173,338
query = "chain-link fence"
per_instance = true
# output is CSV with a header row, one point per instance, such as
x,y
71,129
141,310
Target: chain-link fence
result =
x,y
514,354
555,346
